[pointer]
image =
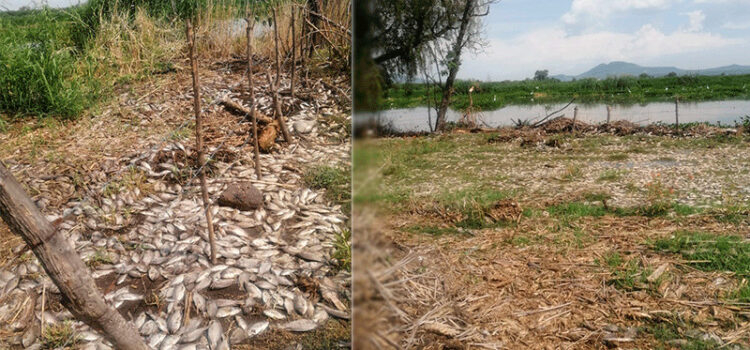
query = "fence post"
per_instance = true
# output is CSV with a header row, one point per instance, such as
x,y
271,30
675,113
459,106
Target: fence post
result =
x,y
251,87
676,114
199,137
575,116
609,113
294,52
276,98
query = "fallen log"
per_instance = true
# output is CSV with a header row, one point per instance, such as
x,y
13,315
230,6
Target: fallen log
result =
x,y
63,265
240,110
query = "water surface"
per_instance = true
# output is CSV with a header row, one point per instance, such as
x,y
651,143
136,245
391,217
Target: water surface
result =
x,y
724,112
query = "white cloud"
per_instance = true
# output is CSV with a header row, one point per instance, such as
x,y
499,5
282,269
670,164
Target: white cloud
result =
x,y
736,25
597,11
696,20
553,48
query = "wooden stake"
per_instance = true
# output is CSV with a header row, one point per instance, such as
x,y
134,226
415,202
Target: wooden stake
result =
x,y
41,316
294,52
276,100
609,111
188,301
256,147
63,265
199,138
575,116
676,114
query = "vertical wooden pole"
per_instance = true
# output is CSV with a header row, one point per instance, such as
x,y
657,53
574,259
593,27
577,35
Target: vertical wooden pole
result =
x,y
609,112
251,86
276,99
63,265
575,116
294,50
676,114
199,138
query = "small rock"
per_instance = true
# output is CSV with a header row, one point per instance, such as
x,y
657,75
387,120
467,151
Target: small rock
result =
x,y
242,196
303,126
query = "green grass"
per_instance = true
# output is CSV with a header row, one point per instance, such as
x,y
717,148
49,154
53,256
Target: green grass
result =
x,y
61,62
335,180
611,175
617,157
674,332
577,210
623,90
627,275
60,335
709,252
343,249
39,73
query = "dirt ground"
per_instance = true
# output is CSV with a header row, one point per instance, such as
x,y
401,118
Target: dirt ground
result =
x,y
595,241
58,162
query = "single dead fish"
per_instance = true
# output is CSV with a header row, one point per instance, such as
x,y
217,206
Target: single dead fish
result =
x,y
302,325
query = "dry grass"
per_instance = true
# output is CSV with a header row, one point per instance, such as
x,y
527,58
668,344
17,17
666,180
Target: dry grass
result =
x,y
579,270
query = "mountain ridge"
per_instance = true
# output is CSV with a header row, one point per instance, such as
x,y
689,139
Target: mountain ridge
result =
x,y
620,68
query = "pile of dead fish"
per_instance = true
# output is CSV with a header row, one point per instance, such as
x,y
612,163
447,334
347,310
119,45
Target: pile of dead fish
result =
x,y
160,236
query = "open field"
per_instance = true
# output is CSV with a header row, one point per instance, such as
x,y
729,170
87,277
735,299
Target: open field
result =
x,y
623,90
587,242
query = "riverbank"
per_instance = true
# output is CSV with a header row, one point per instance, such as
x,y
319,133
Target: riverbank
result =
x,y
490,96
587,241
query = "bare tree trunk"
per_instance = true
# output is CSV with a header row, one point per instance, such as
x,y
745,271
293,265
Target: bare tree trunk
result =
x,y
454,64
256,148
276,100
314,8
199,139
294,52
63,265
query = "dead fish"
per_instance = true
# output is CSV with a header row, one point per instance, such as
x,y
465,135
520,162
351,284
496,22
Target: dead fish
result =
x,y
300,304
140,320
178,293
241,322
227,312
222,283
302,325
169,342
265,285
320,315
237,336
199,301
223,345
153,273
274,314
175,321
289,306
257,328
149,328
156,339
214,334
192,336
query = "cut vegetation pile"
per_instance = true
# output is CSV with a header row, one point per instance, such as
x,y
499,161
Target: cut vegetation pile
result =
x,y
631,241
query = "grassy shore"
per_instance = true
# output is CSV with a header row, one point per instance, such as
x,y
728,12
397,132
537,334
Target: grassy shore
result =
x,y
61,62
585,242
623,90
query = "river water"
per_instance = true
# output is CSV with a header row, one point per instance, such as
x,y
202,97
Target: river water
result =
x,y
724,112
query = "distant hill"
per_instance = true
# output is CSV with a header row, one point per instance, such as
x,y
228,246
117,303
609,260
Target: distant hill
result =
x,y
616,69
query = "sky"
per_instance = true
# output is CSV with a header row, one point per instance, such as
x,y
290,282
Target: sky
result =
x,y
16,4
572,36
